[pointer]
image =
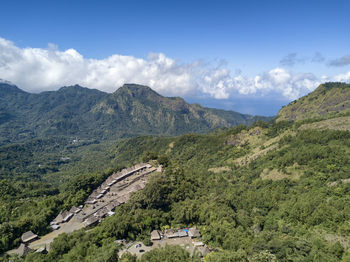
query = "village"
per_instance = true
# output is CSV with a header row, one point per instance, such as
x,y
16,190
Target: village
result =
x,y
187,238
114,191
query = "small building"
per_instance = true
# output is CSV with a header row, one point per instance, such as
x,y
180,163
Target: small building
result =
x,y
111,183
111,206
182,233
66,216
110,213
155,235
193,233
58,219
170,233
74,210
91,221
93,194
198,244
120,242
101,213
23,250
28,237
91,201
123,198
41,250
203,250
55,227
105,187
116,175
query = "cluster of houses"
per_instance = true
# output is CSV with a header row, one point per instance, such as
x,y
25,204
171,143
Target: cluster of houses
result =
x,y
191,233
27,238
95,201
96,208
113,179
64,216
169,234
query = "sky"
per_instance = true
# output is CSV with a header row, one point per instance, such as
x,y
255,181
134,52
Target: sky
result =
x,y
247,56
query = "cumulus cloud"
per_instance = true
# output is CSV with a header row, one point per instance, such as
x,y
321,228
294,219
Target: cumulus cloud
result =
x,y
343,77
37,69
342,61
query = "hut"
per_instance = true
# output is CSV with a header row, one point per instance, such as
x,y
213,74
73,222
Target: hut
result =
x,y
170,233
91,221
74,210
110,213
101,213
99,196
198,244
41,250
66,216
203,250
193,233
28,237
182,233
23,250
91,201
155,235
55,227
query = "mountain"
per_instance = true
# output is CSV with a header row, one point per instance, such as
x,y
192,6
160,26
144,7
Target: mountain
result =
x,y
266,192
75,111
329,99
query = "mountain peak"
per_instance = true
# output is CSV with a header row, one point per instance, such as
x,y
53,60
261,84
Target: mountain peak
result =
x,y
135,90
7,87
72,87
3,81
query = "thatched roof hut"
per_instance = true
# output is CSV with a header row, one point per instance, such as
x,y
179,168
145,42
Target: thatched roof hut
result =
x,y
155,235
29,236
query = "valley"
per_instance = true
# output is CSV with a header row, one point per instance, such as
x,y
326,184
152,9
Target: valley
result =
x,y
274,190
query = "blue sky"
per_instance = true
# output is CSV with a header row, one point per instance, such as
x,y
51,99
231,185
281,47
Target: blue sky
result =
x,y
248,56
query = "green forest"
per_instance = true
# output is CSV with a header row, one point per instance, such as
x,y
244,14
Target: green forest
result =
x,y
268,192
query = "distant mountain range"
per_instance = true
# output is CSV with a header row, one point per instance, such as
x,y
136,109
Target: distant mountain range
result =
x,y
76,111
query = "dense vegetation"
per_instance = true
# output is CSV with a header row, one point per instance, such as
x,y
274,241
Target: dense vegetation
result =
x,y
269,192
88,114
41,177
288,204
47,139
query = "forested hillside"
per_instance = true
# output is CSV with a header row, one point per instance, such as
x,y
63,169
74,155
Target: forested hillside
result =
x,y
76,112
276,192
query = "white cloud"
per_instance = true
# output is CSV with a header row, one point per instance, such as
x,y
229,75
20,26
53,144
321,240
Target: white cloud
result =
x,y
342,77
36,69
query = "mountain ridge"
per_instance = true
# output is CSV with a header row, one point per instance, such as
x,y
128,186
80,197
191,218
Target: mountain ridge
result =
x,y
92,114
328,99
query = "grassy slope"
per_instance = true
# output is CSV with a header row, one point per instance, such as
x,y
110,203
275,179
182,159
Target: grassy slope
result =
x,y
329,99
